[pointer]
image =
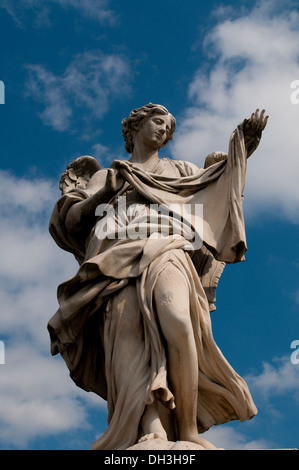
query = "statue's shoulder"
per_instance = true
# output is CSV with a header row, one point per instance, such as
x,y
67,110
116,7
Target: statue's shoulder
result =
x,y
188,168
185,168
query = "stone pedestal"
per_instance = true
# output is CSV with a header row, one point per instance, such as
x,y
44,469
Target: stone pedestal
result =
x,y
161,444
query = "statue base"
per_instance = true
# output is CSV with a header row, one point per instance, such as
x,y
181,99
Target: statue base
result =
x,y
162,444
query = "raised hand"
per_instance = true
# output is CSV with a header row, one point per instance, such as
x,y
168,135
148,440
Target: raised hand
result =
x,y
256,123
114,181
253,128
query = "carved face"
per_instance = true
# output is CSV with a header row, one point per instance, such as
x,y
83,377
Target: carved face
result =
x,y
155,130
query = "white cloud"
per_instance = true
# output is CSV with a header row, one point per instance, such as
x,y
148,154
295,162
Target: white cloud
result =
x,y
39,13
279,378
88,85
253,60
99,150
225,437
98,11
277,381
21,193
37,397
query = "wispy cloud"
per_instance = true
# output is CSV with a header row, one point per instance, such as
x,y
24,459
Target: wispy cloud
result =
x,y
98,11
88,84
38,13
36,397
225,437
252,60
277,378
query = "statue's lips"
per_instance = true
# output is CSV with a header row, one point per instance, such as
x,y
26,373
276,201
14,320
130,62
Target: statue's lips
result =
x,y
158,137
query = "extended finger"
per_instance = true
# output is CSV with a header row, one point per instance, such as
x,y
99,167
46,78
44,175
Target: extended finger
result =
x,y
254,118
263,120
257,117
260,119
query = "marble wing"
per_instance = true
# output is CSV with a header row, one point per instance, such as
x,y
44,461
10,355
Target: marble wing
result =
x,y
78,173
214,157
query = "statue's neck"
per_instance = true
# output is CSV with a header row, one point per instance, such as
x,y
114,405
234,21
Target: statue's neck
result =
x,y
144,156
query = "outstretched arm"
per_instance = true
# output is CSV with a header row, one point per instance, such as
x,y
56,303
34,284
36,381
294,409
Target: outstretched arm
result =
x,y
253,128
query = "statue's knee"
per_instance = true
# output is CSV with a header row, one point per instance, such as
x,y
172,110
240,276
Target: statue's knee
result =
x,y
174,319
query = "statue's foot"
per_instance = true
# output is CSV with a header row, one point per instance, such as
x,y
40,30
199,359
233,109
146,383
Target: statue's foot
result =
x,y
151,425
153,435
198,440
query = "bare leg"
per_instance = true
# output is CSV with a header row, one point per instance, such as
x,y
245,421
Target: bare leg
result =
x,y
173,309
151,424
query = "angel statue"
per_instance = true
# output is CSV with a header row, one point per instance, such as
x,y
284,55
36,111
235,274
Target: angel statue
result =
x,y
133,324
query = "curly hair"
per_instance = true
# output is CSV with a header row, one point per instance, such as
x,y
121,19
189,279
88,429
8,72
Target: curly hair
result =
x,y
137,118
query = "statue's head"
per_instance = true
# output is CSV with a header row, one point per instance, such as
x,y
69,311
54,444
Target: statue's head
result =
x,y
137,118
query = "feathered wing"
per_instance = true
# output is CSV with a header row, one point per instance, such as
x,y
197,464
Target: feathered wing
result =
x,y
78,173
75,177
214,157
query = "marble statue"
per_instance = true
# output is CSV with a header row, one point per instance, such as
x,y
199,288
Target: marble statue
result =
x,y
133,324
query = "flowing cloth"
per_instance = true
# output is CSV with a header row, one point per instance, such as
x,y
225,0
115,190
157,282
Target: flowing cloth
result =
x,y
106,326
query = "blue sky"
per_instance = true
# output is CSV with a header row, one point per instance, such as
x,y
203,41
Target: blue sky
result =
x,y
72,71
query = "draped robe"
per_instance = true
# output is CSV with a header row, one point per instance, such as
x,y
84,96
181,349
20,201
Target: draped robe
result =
x,y
106,327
